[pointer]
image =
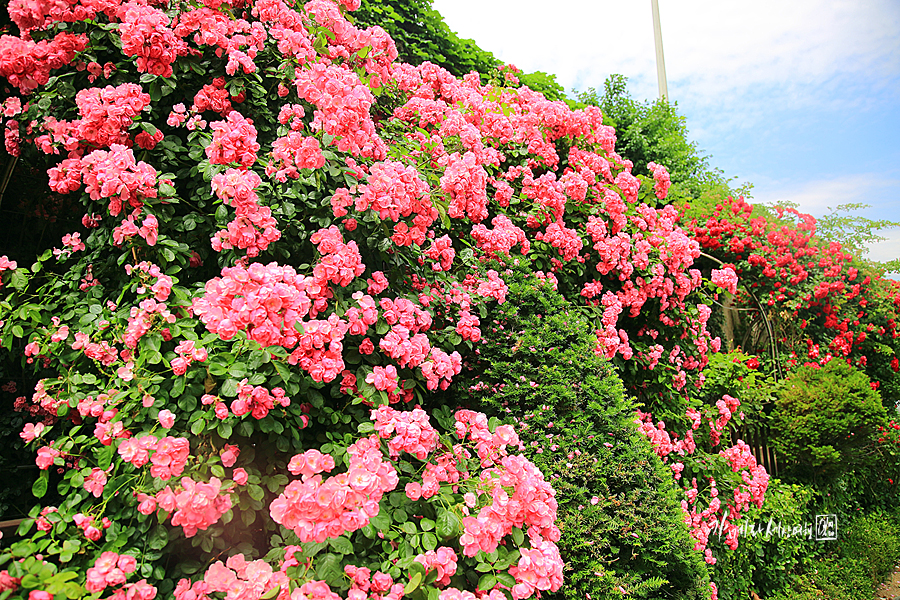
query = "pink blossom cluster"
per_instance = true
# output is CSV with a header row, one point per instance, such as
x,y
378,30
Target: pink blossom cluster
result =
x,y
234,141
141,319
703,523
72,243
110,569
340,263
661,179
213,97
492,287
406,431
377,586
490,446
444,467
316,510
342,104
502,238
726,407
532,505
197,505
293,152
42,401
407,351
441,250
467,326
107,114
253,228
170,457
465,181
89,526
146,35
442,561
264,300
314,590
726,279
238,578
46,456
257,400
440,368
540,569
187,352
27,64
149,229
567,241
113,174
394,191
161,288
96,481
136,450
361,317
320,348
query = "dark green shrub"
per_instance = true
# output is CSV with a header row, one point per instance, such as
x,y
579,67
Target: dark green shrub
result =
x,y
622,527
825,418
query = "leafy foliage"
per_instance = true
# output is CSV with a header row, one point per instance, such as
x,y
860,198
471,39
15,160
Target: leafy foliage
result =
x,y
619,514
825,418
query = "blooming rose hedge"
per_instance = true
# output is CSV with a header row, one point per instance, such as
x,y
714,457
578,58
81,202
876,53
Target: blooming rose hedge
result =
x,y
286,233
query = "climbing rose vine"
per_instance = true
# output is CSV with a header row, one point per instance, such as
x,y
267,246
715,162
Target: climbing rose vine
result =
x,y
286,234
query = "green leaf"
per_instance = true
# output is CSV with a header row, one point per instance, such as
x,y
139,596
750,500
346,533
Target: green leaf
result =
x,y
39,488
487,582
159,538
518,536
447,525
177,387
341,545
18,279
429,541
413,583
256,492
506,579
282,371
328,567
224,430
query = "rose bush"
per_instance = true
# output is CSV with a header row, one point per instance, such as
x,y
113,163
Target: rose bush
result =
x,y
285,233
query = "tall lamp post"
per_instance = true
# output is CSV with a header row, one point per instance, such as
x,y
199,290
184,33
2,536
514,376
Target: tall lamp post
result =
x,y
660,60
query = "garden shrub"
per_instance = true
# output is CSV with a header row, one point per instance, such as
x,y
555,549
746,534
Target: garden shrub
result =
x,y
622,527
825,418
874,539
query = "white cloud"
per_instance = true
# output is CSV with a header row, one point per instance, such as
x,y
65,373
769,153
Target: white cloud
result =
x,y
886,250
719,47
817,196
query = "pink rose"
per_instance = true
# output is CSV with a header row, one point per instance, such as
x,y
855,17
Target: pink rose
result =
x,y
166,418
240,476
229,455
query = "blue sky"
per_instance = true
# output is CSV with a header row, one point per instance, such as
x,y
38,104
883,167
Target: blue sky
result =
x,y
799,98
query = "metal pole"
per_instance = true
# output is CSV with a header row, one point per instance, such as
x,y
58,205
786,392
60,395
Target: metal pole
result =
x,y
660,60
